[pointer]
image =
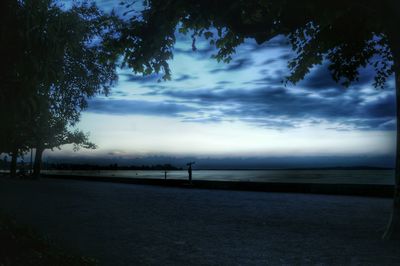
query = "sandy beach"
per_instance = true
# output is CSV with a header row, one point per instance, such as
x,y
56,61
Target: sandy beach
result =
x,y
128,224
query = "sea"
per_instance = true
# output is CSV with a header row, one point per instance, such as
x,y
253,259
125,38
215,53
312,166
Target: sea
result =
x,y
345,176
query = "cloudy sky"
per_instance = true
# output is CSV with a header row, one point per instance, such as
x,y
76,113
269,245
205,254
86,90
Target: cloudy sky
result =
x,y
239,109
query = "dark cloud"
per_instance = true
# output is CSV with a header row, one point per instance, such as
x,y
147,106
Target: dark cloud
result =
x,y
205,119
142,78
282,58
276,79
270,61
279,102
119,93
332,92
238,64
132,107
185,77
280,107
384,107
320,78
224,82
286,56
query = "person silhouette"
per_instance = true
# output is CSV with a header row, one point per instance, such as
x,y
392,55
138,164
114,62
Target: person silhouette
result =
x,y
190,171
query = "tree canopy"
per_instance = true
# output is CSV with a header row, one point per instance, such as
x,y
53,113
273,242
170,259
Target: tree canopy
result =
x,y
347,34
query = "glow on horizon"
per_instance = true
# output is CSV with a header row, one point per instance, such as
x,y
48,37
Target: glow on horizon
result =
x,y
127,136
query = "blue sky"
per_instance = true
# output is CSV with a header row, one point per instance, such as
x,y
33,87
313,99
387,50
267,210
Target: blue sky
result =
x,y
239,109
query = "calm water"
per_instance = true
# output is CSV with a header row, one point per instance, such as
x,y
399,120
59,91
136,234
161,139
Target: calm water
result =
x,y
300,176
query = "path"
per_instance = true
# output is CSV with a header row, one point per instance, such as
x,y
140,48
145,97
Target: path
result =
x,y
121,224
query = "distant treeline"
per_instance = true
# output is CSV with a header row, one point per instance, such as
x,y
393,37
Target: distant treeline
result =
x,y
66,166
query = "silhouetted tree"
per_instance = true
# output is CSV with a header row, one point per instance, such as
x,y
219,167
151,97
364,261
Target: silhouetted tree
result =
x,y
14,103
52,130
346,34
58,137
61,62
86,68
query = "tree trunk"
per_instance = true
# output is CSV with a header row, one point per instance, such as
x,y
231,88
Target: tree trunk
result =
x,y
13,166
37,166
393,227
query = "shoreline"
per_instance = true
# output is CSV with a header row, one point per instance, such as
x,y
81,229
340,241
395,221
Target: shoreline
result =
x,y
368,190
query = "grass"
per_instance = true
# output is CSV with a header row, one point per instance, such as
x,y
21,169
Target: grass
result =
x,y
21,245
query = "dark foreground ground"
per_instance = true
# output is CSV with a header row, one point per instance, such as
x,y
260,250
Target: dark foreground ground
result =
x,y
124,224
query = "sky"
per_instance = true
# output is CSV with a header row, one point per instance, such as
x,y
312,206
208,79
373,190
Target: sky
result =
x,y
240,109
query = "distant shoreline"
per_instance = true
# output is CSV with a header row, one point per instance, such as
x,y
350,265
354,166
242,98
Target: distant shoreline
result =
x,y
300,168
153,168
